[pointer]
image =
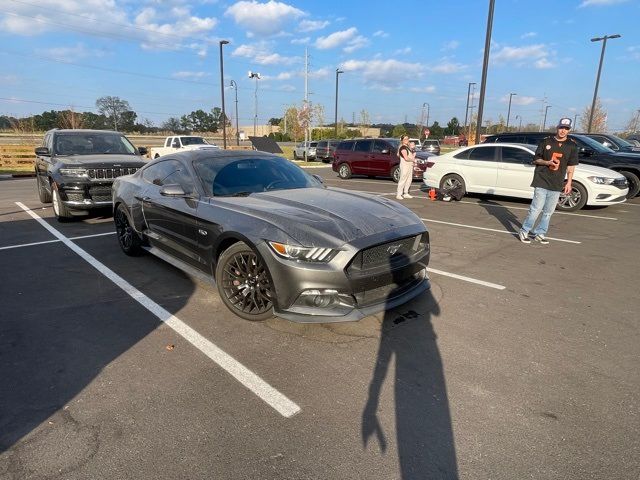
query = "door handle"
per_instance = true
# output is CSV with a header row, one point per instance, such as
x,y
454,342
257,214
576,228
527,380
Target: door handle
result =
x,y
142,199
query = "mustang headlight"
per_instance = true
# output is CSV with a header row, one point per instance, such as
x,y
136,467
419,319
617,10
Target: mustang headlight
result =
x,y
303,254
602,180
73,172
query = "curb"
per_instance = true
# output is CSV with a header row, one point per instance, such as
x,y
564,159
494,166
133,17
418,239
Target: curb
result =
x,y
12,176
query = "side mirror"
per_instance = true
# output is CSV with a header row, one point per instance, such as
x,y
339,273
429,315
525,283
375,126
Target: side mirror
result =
x,y
319,178
385,151
172,190
586,151
42,151
142,150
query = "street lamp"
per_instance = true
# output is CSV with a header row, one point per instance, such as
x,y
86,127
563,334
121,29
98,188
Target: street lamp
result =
x,y
466,111
255,101
575,121
338,72
544,122
485,67
428,108
520,125
235,87
509,110
595,92
224,118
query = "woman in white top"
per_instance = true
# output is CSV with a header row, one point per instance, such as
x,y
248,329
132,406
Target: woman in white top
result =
x,y
407,157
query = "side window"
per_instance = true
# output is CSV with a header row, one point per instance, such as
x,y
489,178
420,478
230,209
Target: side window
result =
x,y
516,156
464,155
158,172
47,141
363,146
168,142
483,154
176,142
182,178
379,146
532,140
345,145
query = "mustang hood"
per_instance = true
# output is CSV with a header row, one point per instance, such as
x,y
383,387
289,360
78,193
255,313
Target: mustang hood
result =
x,y
319,216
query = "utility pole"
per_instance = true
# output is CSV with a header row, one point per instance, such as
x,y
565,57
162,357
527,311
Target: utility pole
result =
x,y
509,110
466,110
306,96
485,68
544,122
224,115
595,91
471,107
338,72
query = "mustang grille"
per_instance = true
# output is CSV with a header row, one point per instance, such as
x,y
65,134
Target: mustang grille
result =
x,y
110,173
386,254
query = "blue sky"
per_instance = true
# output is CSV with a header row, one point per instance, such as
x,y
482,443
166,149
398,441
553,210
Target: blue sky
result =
x,y
163,56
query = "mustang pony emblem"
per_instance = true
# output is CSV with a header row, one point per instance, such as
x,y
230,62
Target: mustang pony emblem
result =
x,y
392,249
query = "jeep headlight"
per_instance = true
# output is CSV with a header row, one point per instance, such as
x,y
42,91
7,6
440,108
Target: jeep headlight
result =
x,y
303,254
73,172
602,180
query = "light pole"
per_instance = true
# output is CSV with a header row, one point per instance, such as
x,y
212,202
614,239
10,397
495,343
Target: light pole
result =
x,y
595,91
544,122
338,72
485,67
575,122
235,87
509,110
520,125
428,108
224,118
255,101
466,111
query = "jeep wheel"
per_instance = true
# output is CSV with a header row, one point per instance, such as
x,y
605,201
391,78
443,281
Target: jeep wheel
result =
x,y
62,213
43,194
344,172
128,239
244,283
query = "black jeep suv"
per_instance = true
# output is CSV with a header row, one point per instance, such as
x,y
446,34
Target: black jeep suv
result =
x,y
590,151
75,168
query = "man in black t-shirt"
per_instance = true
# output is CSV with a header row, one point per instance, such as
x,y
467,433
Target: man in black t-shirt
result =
x,y
555,158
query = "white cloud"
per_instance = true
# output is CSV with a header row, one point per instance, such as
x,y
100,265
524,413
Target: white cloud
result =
x,y
634,51
190,75
531,55
261,53
588,3
356,43
312,25
301,41
381,33
402,51
263,19
9,79
321,73
429,89
287,88
384,74
336,39
528,35
70,53
543,63
519,100
451,45
448,67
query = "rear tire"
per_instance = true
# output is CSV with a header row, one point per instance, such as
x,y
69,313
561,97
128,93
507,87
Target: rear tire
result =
x,y
575,200
452,181
128,239
244,283
62,213
43,194
344,171
634,183
295,155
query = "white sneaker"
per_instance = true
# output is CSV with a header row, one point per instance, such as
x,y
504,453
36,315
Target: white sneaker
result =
x,y
399,197
406,195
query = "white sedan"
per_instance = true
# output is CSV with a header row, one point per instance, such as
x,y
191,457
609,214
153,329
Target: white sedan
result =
x,y
507,169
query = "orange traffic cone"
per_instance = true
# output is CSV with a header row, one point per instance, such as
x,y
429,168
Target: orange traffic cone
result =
x,y
432,194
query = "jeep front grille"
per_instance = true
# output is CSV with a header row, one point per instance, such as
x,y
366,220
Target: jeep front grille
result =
x,y
110,173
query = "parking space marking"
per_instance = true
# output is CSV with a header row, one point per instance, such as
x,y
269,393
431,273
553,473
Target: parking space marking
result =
x,y
515,234
55,240
246,377
467,279
490,205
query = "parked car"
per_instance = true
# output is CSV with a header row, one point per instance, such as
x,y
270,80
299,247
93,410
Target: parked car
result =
x,y
374,158
613,142
431,146
305,151
590,151
416,142
273,237
75,169
325,149
507,169
181,142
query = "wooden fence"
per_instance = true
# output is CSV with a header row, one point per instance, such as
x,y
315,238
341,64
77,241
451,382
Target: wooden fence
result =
x,y
17,156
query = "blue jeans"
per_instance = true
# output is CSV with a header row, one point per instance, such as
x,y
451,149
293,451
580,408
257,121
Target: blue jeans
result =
x,y
544,201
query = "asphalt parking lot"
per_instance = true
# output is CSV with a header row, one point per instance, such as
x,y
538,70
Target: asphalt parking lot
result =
x,y
522,361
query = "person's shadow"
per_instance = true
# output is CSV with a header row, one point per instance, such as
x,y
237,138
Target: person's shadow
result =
x,y
426,448
503,214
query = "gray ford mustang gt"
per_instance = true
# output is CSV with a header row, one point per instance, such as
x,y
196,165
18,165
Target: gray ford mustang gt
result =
x,y
273,238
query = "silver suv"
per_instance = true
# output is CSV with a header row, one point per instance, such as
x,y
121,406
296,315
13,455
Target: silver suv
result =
x,y
305,151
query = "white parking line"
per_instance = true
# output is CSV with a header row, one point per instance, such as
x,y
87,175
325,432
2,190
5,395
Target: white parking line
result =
x,y
467,279
515,234
246,377
55,241
490,205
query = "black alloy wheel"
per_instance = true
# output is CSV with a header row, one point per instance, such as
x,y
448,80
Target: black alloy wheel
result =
x,y
244,283
128,239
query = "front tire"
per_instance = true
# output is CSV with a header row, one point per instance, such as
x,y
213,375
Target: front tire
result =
x,y
244,283
634,183
344,171
128,239
576,199
60,210
43,194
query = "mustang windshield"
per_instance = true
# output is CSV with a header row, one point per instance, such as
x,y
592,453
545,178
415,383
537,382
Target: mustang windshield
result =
x,y
92,143
241,177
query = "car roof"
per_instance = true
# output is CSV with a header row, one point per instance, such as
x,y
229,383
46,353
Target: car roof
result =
x,y
78,131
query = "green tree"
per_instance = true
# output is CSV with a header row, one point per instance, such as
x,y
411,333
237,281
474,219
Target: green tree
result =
x,y
172,124
275,121
95,121
113,108
128,121
436,131
398,131
453,127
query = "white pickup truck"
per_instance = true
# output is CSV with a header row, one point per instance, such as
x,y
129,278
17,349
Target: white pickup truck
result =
x,y
182,142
